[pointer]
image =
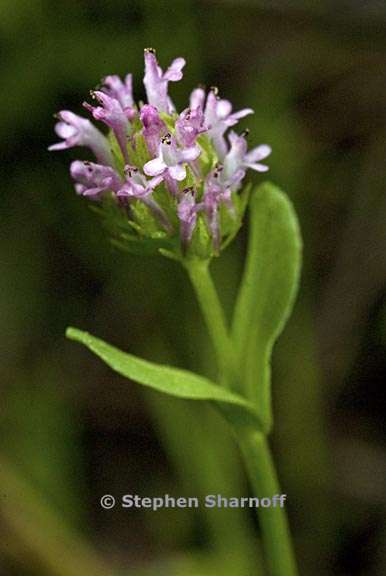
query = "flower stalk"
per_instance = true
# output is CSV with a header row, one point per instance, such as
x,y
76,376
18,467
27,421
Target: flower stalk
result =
x,y
212,311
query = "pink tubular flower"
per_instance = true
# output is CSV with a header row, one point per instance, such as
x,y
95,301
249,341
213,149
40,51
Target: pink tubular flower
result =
x,y
189,125
94,179
153,128
171,159
138,187
111,113
121,91
156,81
187,210
238,158
215,194
78,131
218,116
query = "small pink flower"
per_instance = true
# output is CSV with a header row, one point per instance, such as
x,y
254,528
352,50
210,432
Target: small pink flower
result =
x,y
171,159
78,131
156,81
114,87
153,128
94,179
111,113
137,187
238,157
218,116
189,125
187,210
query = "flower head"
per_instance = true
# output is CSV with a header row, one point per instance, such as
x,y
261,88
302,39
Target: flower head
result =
x,y
173,177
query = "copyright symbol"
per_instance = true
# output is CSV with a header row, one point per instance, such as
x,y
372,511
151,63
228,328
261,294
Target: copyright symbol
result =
x,y
107,501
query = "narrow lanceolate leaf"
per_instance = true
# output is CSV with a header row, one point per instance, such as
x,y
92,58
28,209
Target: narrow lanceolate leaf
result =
x,y
170,380
267,291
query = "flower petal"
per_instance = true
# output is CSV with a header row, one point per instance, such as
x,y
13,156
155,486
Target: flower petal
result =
x,y
59,146
258,153
191,153
258,167
65,130
177,172
223,109
174,72
154,167
234,118
153,182
197,98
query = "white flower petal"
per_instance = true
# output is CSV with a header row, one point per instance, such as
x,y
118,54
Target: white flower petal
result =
x,y
258,167
223,108
197,98
174,72
191,153
177,172
154,167
258,153
65,130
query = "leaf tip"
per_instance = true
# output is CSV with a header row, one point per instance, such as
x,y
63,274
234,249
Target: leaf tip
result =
x,y
72,333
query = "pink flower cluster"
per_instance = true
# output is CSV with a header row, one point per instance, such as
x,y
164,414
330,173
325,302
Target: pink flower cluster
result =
x,y
189,155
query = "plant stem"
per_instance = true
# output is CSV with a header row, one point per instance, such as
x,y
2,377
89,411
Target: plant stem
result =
x,y
214,317
253,444
273,520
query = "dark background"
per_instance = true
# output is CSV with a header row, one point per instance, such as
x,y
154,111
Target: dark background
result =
x,y
71,430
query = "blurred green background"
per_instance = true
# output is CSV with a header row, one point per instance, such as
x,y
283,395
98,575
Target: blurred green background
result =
x,y
71,430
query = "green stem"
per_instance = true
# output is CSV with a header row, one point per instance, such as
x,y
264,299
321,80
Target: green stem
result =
x,y
214,317
273,520
253,444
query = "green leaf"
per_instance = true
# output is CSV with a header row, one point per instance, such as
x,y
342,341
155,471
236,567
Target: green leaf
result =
x,y
267,291
170,380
